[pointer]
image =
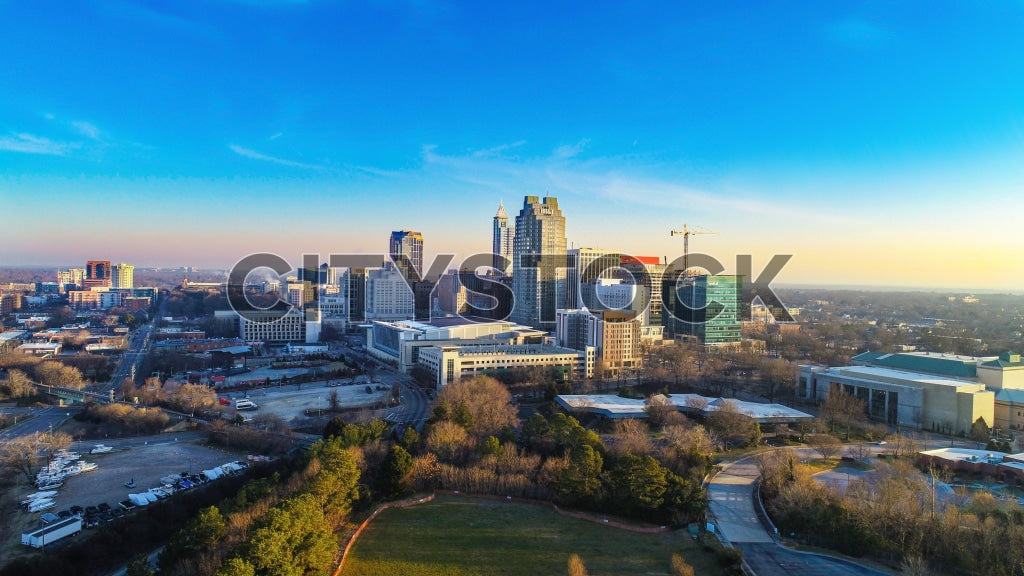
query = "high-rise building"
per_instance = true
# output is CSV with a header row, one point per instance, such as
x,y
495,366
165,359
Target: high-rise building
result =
x,y
355,289
122,276
538,251
706,308
614,335
614,294
97,274
502,243
585,266
649,271
388,296
406,249
298,294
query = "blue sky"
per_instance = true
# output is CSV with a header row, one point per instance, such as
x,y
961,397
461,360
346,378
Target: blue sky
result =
x,y
879,143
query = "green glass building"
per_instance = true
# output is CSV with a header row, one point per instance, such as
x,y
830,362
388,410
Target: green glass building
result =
x,y
704,307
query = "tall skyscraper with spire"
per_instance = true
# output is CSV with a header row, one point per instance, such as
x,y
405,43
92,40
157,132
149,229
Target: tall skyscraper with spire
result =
x,y
502,246
538,250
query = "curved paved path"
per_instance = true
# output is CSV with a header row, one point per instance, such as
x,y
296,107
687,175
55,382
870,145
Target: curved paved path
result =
x,y
731,493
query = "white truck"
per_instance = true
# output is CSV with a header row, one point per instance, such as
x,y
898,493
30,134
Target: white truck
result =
x,y
52,532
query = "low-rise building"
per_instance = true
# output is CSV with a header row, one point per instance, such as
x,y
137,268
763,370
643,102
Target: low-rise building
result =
x,y
400,342
274,326
42,349
902,398
451,363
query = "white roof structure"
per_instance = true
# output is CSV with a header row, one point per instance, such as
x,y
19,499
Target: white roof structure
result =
x,y
905,375
956,454
607,405
763,413
611,406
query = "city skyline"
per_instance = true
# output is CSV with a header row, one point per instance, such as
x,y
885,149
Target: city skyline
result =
x,y
878,144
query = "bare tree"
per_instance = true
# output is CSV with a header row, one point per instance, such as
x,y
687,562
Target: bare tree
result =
x,y
777,376
632,437
18,384
915,566
825,444
859,452
53,442
190,397
151,391
487,402
18,455
733,426
448,440
658,408
841,409
51,373
776,468
127,389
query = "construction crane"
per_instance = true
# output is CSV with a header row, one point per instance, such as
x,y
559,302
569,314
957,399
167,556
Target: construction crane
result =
x,y
686,232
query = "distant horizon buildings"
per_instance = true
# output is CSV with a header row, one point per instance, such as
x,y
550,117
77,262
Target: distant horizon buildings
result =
x,y
97,274
71,279
122,275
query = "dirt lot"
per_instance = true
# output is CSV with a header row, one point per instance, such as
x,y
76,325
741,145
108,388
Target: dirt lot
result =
x,y
145,460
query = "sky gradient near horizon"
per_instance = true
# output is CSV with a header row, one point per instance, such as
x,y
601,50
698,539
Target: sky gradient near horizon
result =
x,y
880,143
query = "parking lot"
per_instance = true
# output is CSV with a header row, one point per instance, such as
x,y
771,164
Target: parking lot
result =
x,y
145,461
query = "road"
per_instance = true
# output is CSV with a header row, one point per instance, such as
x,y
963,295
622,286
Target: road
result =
x,y
414,410
731,493
42,420
138,346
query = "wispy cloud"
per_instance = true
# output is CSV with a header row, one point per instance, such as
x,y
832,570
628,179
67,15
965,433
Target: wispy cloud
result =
x,y
31,144
86,129
267,158
570,150
618,180
276,136
497,150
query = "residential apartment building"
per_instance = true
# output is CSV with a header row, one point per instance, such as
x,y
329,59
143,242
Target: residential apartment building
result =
x,y
122,276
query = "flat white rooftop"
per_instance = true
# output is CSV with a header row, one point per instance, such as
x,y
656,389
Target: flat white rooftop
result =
x,y
892,373
613,406
966,455
606,404
756,410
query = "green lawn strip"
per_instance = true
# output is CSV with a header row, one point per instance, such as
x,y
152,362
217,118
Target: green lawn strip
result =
x,y
456,536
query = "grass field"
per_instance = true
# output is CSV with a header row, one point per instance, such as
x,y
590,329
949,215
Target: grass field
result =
x,y
457,536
